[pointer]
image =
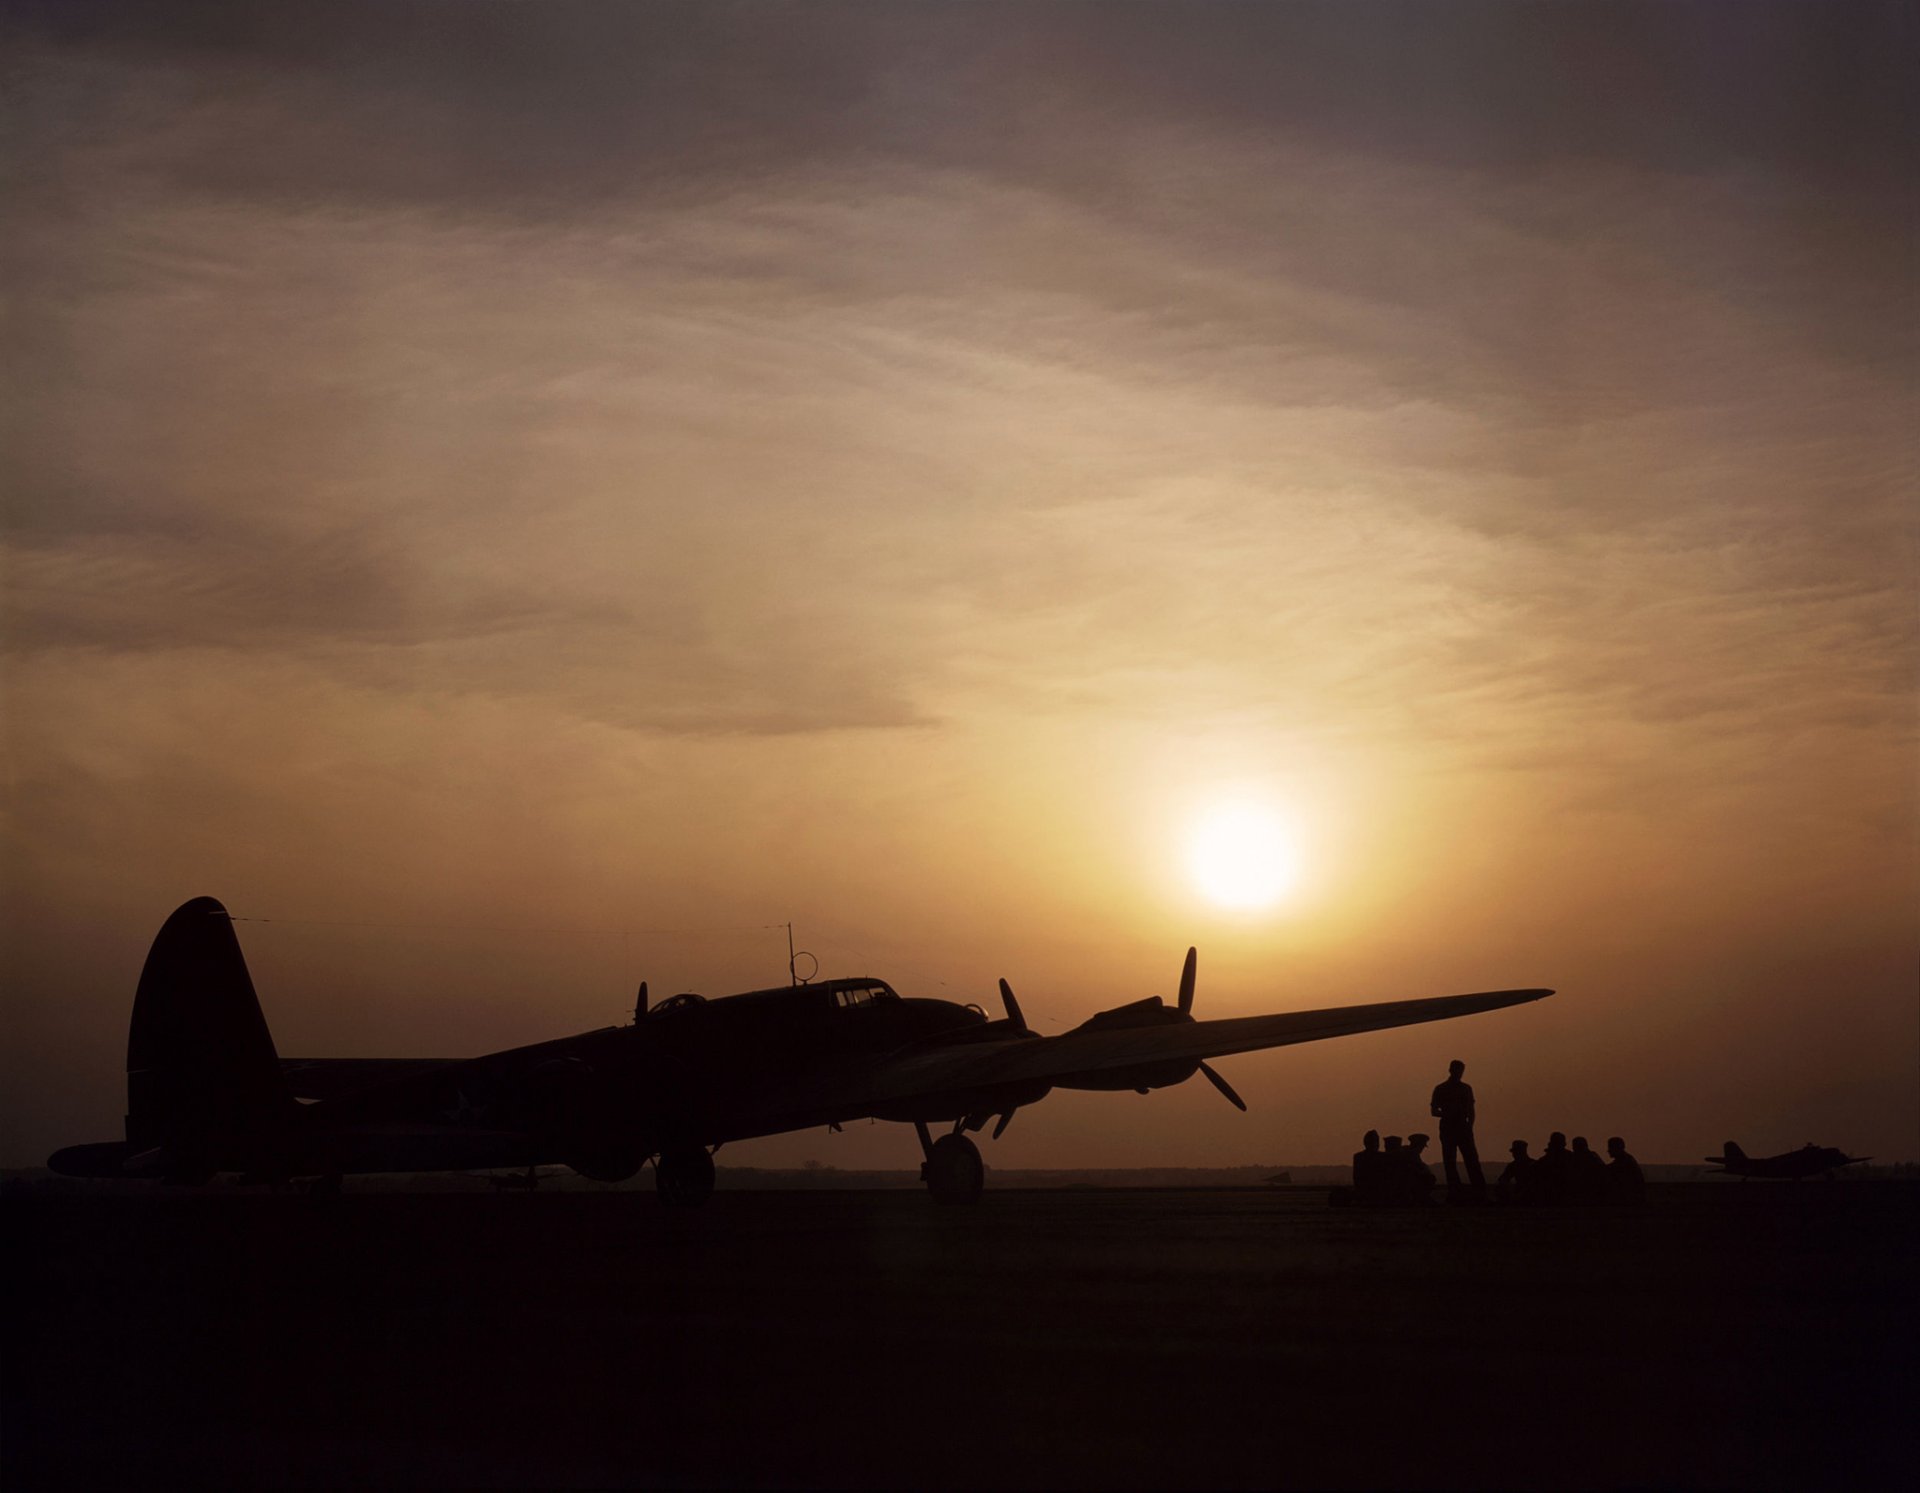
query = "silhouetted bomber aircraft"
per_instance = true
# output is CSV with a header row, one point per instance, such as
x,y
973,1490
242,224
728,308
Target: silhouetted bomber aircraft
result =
x,y
207,1092
1809,1161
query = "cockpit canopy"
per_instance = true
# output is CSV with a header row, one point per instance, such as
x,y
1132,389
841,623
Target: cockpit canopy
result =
x,y
859,992
833,995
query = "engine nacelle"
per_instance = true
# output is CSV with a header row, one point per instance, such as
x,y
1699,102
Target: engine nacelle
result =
x,y
1141,1076
1002,1098
1151,1012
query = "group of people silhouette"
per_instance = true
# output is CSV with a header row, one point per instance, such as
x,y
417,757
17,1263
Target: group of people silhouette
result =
x,y
1394,1173
1562,1174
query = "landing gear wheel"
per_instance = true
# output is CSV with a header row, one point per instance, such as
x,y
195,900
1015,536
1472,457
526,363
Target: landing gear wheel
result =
x,y
954,1173
683,1176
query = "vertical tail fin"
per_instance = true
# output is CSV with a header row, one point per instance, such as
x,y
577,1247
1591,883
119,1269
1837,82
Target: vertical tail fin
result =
x,y
203,1079
1731,1149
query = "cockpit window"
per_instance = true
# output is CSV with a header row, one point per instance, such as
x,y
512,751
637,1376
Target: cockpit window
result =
x,y
862,995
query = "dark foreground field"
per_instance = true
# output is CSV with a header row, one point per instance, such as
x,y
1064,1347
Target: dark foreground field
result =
x,y
1727,1334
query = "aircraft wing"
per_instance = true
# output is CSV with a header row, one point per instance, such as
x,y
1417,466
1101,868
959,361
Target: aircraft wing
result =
x,y
1084,1052
333,1078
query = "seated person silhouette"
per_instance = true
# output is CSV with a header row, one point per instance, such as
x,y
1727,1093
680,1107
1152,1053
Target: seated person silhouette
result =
x,y
1625,1184
1366,1168
1516,1182
1392,1157
1416,1177
1586,1174
1553,1172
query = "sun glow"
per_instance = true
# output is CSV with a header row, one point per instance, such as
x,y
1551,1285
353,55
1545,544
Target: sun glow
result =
x,y
1243,855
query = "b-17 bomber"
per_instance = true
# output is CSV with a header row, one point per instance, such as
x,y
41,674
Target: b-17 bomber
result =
x,y
208,1093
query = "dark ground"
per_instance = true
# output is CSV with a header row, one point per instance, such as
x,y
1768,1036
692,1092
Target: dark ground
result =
x,y
1726,1334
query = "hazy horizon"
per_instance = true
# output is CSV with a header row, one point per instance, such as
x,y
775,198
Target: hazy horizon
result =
x,y
525,499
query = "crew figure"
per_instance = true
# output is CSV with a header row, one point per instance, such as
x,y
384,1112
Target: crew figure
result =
x,y
1516,1182
1366,1168
1625,1183
1586,1174
1415,1182
1553,1172
1393,1156
1453,1107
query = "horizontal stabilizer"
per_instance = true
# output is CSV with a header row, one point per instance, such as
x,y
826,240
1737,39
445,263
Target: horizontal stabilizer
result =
x,y
105,1158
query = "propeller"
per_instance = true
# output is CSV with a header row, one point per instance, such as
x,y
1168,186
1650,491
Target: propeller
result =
x,y
640,1002
1185,1004
1013,1008
1017,1020
1224,1087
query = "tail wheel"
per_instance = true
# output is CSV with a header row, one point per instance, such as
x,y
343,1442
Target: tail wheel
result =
x,y
954,1172
683,1176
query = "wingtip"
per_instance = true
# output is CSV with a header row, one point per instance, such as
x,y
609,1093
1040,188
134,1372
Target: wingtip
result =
x,y
1520,997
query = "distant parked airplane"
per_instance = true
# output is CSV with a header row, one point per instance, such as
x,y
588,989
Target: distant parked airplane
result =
x,y
207,1092
1809,1161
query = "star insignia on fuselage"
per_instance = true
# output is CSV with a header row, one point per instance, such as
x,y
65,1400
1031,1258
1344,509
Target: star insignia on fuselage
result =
x,y
463,1111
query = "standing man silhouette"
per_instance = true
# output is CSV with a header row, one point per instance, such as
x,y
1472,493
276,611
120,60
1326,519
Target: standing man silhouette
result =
x,y
1453,1108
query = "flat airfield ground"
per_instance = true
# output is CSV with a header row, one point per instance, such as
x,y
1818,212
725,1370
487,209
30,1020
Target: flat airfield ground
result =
x,y
1724,1335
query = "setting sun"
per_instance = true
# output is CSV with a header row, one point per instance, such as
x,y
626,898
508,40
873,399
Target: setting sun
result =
x,y
1243,855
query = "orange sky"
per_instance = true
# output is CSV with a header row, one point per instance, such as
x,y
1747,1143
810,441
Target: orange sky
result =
x,y
527,497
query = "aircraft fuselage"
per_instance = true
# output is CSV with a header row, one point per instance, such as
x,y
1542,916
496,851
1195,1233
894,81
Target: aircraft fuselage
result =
x,y
688,1073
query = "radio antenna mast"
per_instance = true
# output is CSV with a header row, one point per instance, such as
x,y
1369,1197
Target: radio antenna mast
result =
x,y
793,958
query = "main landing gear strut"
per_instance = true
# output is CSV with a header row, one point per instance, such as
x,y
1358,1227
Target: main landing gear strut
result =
x,y
953,1170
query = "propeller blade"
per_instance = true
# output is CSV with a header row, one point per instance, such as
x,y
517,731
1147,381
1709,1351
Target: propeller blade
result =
x,y
1186,984
1005,1120
640,1002
1013,1009
1224,1087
